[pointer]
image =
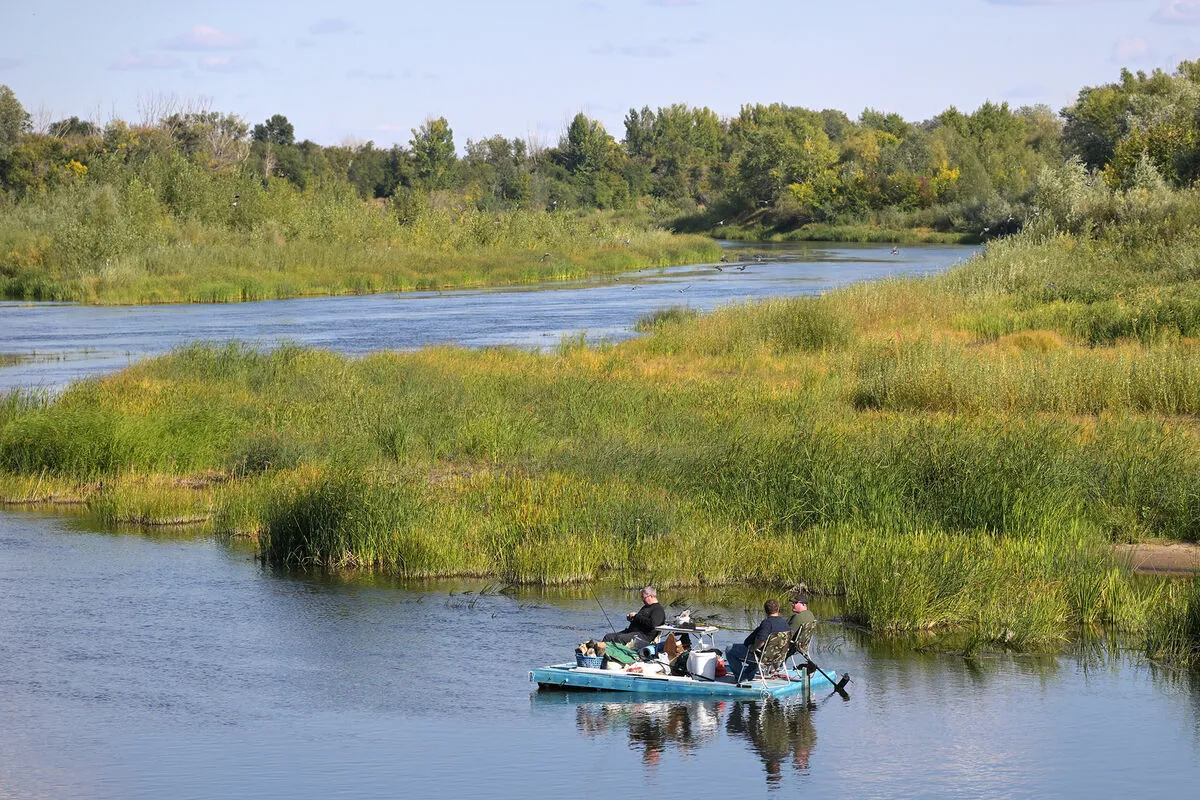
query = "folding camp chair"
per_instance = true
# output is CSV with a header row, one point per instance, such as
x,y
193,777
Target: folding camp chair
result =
x,y
798,644
770,661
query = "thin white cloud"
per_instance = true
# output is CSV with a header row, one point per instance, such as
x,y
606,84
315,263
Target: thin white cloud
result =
x,y
229,64
1179,12
148,61
1052,3
11,63
1129,49
202,37
331,26
363,75
1184,50
633,50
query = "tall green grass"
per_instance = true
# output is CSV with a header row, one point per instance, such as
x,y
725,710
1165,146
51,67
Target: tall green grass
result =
x,y
1173,634
177,234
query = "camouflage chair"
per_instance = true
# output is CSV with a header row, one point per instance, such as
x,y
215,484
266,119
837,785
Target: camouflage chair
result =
x,y
769,661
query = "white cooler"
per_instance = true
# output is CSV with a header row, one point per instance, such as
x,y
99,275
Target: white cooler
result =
x,y
703,664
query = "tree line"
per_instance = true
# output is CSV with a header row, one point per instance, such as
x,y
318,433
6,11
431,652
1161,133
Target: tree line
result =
x,y
784,166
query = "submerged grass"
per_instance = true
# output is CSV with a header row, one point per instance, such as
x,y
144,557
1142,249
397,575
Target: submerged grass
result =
x,y
879,443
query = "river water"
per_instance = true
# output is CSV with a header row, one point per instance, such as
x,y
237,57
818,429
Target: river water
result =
x,y
57,342
175,665
136,666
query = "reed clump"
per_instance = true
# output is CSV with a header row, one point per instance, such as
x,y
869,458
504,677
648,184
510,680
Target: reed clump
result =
x,y
1173,634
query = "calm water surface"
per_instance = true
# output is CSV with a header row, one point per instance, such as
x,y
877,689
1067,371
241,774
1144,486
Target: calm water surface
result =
x,y
60,342
147,667
159,666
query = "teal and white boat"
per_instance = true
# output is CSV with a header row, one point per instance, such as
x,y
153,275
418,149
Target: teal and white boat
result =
x,y
571,676
651,678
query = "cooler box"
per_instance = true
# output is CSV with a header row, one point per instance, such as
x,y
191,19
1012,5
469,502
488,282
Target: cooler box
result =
x,y
703,664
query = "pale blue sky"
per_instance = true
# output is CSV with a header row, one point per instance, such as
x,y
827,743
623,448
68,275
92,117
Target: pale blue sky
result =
x,y
374,69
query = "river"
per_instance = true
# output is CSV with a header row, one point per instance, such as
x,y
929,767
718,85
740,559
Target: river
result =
x,y
150,666
171,664
54,343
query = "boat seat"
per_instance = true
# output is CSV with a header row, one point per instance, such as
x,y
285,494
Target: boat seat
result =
x,y
772,659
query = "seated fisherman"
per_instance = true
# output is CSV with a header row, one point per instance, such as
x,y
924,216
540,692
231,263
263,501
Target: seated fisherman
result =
x,y
802,624
738,654
641,628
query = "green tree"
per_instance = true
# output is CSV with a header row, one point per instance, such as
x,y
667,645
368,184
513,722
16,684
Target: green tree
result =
x,y
433,153
595,163
498,166
275,131
73,127
782,151
14,121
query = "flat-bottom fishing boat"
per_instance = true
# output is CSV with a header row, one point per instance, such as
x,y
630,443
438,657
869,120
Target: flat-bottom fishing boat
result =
x,y
701,678
573,676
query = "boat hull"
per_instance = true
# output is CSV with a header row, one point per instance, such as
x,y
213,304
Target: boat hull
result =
x,y
571,677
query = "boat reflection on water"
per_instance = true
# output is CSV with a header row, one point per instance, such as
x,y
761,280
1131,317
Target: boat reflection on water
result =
x,y
780,732
653,727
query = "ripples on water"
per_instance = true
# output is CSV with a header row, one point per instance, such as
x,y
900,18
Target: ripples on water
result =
x,y
156,666
53,343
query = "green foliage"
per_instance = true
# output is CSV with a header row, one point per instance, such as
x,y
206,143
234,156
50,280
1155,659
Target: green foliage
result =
x,y
877,442
275,131
433,153
673,315
14,121
1121,126
1174,630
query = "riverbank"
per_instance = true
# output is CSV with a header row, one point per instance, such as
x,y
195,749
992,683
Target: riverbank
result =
x,y
283,244
821,232
1151,558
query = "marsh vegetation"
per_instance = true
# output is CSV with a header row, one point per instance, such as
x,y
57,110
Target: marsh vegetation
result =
x,y
954,453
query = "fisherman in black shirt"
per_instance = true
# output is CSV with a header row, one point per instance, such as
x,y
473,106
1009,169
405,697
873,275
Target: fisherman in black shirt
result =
x,y
641,629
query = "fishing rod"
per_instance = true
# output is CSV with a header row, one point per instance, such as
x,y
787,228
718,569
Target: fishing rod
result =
x,y
602,611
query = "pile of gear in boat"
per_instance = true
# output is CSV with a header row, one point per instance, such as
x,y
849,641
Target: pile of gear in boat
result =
x,y
640,650
668,657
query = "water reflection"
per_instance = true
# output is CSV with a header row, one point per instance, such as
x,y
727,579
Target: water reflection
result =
x,y
781,733
652,727
132,666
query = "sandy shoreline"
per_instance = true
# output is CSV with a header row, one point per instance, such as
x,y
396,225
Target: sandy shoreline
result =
x,y
1178,558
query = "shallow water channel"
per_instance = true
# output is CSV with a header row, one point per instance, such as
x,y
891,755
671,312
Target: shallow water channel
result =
x,y
136,666
53,343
